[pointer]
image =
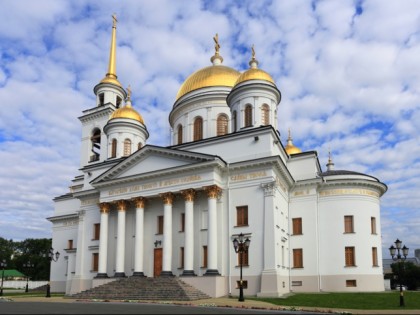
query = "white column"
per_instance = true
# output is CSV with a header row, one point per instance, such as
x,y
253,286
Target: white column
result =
x,y
167,234
212,194
189,233
139,241
103,240
119,268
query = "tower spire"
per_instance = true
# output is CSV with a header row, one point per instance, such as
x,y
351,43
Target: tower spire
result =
x,y
111,76
253,63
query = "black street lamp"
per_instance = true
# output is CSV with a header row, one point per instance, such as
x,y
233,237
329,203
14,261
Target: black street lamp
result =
x,y
51,257
2,265
241,246
399,258
27,266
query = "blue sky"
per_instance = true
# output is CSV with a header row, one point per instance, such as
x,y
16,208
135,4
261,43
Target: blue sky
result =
x,y
349,73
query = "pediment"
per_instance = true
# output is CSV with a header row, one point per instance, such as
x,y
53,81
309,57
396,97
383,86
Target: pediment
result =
x,y
152,160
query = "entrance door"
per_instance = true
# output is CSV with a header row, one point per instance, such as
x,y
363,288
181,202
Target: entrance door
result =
x,y
157,262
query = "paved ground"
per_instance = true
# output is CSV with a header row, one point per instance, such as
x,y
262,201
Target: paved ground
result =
x,y
207,306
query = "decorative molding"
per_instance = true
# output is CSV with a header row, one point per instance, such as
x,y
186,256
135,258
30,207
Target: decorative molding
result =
x,y
121,204
348,191
167,198
104,207
213,191
188,194
139,202
269,188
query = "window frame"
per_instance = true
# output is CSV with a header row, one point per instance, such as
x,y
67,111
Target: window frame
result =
x,y
160,220
180,134
96,231
265,115
297,226
373,225
95,262
198,128
348,224
222,125
242,216
248,116
297,258
127,147
350,256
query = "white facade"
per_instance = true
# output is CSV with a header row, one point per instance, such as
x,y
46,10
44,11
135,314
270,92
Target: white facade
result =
x,y
164,211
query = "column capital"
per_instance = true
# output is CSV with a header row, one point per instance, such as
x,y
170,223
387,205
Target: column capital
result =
x,y
121,205
188,194
269,188
167,198
139,202
213,191
104,207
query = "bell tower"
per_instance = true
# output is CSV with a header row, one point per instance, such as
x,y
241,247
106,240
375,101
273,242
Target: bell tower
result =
x,y
109,96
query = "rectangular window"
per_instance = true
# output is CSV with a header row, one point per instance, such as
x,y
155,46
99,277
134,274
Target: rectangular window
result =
x,y
348,224
182,229
181,257
297,258
96,231
297,226
296,283
160,224
204,257
204,220
101,99
95,261
351,283
242,216
350,257
243,257
70,244
374,256
373,225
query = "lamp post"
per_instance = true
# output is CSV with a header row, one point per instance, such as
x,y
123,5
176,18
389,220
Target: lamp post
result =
x,y
241,246
51,257
2,265
399,258
27,266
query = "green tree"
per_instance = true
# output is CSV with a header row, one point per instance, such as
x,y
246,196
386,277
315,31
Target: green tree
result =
x,y
34,251
7,250
410,274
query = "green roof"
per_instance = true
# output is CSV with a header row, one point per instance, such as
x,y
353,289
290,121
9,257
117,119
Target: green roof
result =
x,y
12,273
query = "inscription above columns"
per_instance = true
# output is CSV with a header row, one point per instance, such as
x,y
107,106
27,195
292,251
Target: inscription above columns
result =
x,y
188,194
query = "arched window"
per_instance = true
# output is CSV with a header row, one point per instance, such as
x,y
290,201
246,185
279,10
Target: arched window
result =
x,y
222,125
101,99
179,133
114,148
96,144
265,114
235,122
127,147
248,116
119,100
198,128
139,146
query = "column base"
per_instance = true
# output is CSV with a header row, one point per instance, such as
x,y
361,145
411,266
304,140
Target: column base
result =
x,y
138,274
166,274
119,275
188,273
212,272
101,276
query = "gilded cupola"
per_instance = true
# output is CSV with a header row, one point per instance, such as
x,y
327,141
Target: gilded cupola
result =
x,y
254,73
290,147
127,112
215,75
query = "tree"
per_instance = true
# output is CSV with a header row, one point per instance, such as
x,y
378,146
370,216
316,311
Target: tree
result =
x,y
410,274
29,250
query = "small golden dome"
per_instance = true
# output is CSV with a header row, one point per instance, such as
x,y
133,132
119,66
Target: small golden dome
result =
x,y
216,75
254,74
111,79
290,147
127,112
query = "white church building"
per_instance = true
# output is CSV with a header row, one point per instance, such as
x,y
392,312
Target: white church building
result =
x,y
136,209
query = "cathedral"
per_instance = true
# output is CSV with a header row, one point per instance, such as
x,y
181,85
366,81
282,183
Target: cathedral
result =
x,y
141,210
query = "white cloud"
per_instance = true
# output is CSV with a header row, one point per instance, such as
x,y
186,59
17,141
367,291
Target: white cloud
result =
x,y
350,83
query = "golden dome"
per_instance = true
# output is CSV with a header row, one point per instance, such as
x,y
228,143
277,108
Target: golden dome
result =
x,y
215,75
254,74
290,147
127,112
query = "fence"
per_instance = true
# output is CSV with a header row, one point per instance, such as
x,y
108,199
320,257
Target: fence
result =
x,y
21,284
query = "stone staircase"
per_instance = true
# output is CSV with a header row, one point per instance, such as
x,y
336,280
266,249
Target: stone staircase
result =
x,y
144,288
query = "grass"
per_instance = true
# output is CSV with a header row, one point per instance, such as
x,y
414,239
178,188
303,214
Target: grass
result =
x,y
366,301
30,294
